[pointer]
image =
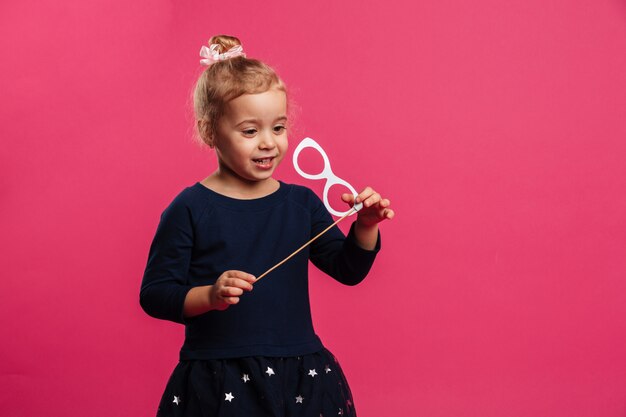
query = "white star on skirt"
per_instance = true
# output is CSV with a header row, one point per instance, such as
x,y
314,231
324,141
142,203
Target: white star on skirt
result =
x,y
270,371
229,397
299,399
176,400
245,378
312,372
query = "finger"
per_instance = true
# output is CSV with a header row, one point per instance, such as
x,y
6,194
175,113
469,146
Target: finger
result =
x,y
240,283
372,200
231,300
389,214
231,292
241,275
385,202
363,195
347,198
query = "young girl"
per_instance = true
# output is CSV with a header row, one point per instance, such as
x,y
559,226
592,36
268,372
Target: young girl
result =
x,y
250,350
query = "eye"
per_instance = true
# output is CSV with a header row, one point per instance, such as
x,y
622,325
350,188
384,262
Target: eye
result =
x,y
280,129
249,132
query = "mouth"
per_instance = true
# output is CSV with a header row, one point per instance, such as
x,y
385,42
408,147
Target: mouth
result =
x,y
264,162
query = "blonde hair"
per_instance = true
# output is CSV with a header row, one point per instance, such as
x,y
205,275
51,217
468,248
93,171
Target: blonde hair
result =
x,y
226,80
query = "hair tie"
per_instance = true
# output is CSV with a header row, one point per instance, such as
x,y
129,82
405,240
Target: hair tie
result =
x,y
211,55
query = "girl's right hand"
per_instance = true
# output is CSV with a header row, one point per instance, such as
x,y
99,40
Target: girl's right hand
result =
x,y
228,288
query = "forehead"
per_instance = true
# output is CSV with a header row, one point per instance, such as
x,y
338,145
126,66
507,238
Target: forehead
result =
x,y
270,104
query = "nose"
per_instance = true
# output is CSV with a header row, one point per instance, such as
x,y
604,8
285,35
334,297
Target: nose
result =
x,y
267,141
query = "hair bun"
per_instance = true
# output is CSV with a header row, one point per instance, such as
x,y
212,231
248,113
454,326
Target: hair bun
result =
x,y
224,42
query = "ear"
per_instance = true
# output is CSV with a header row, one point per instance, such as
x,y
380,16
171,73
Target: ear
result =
x,y
205,134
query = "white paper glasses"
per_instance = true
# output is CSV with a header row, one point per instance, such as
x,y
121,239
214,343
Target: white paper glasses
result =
x,y
326,174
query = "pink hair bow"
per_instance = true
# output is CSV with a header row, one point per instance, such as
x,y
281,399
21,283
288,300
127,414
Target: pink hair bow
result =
x,y
211,55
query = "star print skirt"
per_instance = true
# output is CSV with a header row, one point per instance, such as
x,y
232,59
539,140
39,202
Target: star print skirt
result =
x,y
306,386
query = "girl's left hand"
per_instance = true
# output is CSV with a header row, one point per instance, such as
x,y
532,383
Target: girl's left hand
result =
x,y
375,208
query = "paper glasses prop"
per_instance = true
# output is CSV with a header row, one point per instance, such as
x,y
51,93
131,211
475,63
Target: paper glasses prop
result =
x,y
326,174
331,179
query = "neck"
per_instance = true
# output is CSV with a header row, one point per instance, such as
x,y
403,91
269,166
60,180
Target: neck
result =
x,y
236,187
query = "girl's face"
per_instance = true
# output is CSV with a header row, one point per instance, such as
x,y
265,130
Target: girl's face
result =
x,y
251,137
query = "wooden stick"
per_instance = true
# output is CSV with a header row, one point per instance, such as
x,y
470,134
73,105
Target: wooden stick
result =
x,y
352,211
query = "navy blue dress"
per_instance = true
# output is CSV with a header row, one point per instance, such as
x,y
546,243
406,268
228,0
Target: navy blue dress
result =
x,y
260,357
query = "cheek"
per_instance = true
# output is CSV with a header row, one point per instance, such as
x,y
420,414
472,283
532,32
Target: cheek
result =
x,y
284,144
244,148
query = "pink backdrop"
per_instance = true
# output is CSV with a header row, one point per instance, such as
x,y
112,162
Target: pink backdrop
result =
x,y
496,128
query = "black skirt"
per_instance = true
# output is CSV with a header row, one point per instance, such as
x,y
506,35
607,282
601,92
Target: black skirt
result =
x,y
305,386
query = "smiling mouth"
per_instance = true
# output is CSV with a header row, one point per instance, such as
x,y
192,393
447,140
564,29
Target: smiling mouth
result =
x,y
263,161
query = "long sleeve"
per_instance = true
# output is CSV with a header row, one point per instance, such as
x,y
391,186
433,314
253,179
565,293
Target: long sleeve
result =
x,y
335,254
165,284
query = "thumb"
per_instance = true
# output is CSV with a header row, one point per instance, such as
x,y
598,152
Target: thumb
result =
x,y
348,198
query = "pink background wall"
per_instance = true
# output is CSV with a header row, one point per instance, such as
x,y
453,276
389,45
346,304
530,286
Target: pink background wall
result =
x,y
497,129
